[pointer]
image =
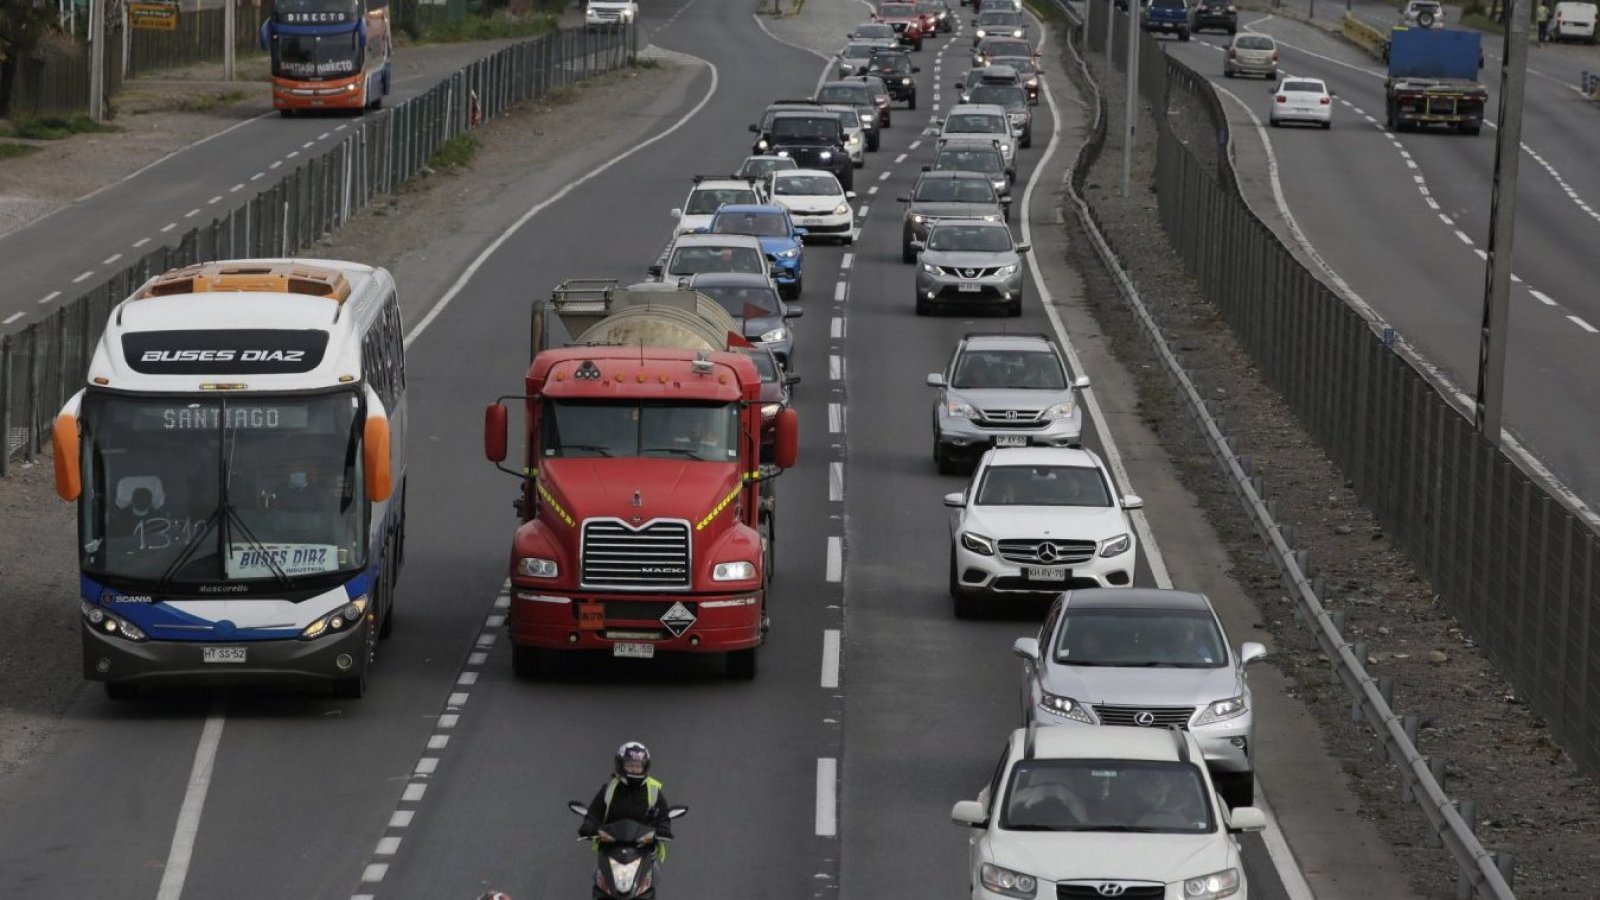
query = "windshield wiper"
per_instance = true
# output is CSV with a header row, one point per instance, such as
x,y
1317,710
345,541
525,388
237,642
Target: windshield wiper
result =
x,y
588,448
676,451
188,551
234,518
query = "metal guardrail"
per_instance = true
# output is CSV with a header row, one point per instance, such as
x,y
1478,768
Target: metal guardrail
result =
x,y
43,364
1482,873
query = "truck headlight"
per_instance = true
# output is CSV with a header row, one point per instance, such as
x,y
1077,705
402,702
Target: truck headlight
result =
x,y
1007,882
537,567
776,334
734,571
1065,707
977,543
768,410
110,623
339,620
1212,887
1116,545
991,218
1231,708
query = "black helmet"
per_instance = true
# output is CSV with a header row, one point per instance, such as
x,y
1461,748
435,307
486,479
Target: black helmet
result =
x,y
633,762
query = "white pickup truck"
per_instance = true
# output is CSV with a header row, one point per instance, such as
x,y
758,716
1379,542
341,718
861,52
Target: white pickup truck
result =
x,y
610,14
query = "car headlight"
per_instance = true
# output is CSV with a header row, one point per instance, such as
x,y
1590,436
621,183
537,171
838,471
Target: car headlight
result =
x,y
339,620
1065,707
1116,545
1230,708
991,218
905,81
977,543
110,623
1007,270
960,409
866,120
783,153
776,334
535,567
1017,33
1059,411
768,410
999,185
825,155
1017,118
854,139
1033,82
980,32
1213,886
1007,882
930,268
790,253
842,209
1005,150
733,571
918,218
761,144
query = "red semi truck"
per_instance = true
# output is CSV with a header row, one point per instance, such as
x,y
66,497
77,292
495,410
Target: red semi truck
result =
x,y
647,522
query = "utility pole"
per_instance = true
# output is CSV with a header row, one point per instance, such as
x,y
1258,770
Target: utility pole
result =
x,y
1111,28
1502,224
229,24
97,60
1131,110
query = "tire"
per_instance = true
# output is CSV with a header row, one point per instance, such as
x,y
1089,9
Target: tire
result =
x,y
911,103
942,461
799,284
121,690
351,688
858,163
1027,141
526,661
286,113
1236,788
849,239
1183,35
742,665
1272,122
923,308
1014,308
1227,72
1469,129
386,624
962,603
872,145
1328,125
907,255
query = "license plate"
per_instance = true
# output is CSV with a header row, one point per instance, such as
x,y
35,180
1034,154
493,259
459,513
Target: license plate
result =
x,y
634,651
968,287
815,220
223,654
1011,440
591,617
1035,573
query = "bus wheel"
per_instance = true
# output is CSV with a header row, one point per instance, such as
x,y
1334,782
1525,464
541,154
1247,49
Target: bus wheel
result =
x,y
351,688
121,690
386,595
286,113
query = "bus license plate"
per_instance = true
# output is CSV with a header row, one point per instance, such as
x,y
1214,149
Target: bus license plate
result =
x,y
1038,574
633,650
1011,440
967,287
223,654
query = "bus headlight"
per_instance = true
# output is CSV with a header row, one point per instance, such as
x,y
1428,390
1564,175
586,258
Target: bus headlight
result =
x,y
341,619
734,571
536,567
110,623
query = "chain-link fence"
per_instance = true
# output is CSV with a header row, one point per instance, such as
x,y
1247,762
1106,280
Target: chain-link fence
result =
x,y
45,363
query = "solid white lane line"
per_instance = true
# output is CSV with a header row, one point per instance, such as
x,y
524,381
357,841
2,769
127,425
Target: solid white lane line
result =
x,y
1542,297
848,258
471,270
194,803
835,418
85,276
830,658
49,297
1582,324
835,566
12,318
827,797
110,259
839,290
835,481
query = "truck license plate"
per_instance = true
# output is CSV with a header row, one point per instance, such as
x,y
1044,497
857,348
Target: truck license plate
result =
x,y
1011,440
223,654
633,650
968,287
1035,573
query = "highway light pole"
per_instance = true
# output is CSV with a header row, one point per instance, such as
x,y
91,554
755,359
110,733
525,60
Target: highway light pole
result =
x,y
1131,111
1111,30
1502,224
97,60
228,37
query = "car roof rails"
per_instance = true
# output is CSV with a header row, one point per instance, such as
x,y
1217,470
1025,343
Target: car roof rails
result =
x,y
1027,741
699,178
1183,744
1005,334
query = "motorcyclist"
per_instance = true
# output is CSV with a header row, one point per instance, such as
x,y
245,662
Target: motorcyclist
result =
x,y
631,794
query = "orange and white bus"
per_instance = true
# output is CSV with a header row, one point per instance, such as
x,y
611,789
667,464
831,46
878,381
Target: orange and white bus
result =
x,y
328,54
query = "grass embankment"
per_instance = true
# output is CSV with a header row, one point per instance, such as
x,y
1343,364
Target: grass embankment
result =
x,y
54,128
480,28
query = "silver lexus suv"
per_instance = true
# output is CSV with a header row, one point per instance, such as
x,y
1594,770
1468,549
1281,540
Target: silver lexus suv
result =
x,y
1146,657
1003,390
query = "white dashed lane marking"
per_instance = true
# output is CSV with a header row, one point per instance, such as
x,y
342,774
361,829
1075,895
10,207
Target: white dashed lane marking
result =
x,y
49,297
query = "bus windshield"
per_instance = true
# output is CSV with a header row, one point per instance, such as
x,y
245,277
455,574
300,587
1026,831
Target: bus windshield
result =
x,y
316,55
186,490
705,432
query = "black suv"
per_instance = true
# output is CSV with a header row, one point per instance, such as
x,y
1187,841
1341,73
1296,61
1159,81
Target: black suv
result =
x,y
813,139
1220,14
895,68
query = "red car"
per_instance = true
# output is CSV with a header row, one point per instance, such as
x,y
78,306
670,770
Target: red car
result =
x,y
905,20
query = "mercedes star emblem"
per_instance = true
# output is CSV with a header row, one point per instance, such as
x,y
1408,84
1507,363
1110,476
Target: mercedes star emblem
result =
x,y
1047,553
1144,717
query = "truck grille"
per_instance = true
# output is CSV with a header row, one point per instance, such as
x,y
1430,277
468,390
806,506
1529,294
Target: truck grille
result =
x,y
1061,553
1162,716
653,557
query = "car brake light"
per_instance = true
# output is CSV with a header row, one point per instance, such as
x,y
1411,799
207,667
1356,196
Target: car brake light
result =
x,y
1282,99
1274,56
1324,101
1233,54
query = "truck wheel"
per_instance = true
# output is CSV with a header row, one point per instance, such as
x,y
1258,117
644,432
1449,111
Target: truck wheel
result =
x,y
526,661
1471,129
742,664
121,690
286,113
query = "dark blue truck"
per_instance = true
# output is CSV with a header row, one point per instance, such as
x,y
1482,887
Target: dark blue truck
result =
x,y
1168,16
1433,79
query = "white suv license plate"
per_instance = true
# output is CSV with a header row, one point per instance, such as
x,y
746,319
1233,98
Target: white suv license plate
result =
x,y
1011,440
223,654
968,287
633,650
1036,573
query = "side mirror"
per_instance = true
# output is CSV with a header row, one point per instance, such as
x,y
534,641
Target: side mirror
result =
x,y
849,195
1027,648
1250,651
793,312
970,813
935,379
927,167
1024,247
904,198
1133,501
916,69
790,380
375,455
800,232
677,213
774,272
958,85
918,245
956,500
755,129
494,432
1246,818
654,271
64,447
786,451
1005,200
1081,382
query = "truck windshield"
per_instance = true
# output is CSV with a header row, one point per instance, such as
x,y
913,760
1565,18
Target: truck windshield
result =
x,y
316,55
707,432
184,490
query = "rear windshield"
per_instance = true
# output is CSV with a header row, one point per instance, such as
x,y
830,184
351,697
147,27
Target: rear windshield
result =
x,y
999,94
853,94
1254,42
974,123
988,162
953,190
711,199
814,129
1309,87
806,185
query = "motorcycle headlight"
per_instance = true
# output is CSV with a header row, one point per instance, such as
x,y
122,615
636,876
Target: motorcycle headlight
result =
x,y
623,875
734,571
537,567
842,209
977,543
1231,708
110,623
825,155
1212,887
339,620
1116,545
1065,707
1007,882
1059,411
790,253
930,268
776,334
1007,270
960,408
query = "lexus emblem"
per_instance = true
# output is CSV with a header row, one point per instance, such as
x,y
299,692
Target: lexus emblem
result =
x,y
1111,888
969,272
1146,718
1047,553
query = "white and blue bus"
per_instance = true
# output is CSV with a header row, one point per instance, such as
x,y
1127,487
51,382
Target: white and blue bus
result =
x,y
238,461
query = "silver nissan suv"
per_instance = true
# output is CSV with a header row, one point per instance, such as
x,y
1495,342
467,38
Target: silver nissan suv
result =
x,y
1003,390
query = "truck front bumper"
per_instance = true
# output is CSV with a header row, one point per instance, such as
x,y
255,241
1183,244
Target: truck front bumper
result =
x,y
553,620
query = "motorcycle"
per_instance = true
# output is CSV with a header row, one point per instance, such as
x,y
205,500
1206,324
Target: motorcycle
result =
x,y
626,867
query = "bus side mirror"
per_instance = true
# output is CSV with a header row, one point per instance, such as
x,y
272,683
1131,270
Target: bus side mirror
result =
x,y
64,446
375,454
494,432
787,451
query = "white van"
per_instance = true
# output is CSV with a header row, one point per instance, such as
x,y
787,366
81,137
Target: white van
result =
x,y
1573,22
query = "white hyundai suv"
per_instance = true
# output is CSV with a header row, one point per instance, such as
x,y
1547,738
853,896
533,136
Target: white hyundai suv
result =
x,y
1106,812
1038,520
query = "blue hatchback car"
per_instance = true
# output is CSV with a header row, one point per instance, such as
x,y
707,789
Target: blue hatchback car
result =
x,y
780,239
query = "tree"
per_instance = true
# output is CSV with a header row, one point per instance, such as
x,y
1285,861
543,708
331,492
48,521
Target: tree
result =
x,y
23,24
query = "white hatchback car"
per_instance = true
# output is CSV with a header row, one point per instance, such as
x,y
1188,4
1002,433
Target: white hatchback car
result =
x,y
1302,100
815,201
1116,811
711,193
1038,520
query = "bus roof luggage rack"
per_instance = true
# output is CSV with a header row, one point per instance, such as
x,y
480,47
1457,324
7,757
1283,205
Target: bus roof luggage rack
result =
x,y
270,276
